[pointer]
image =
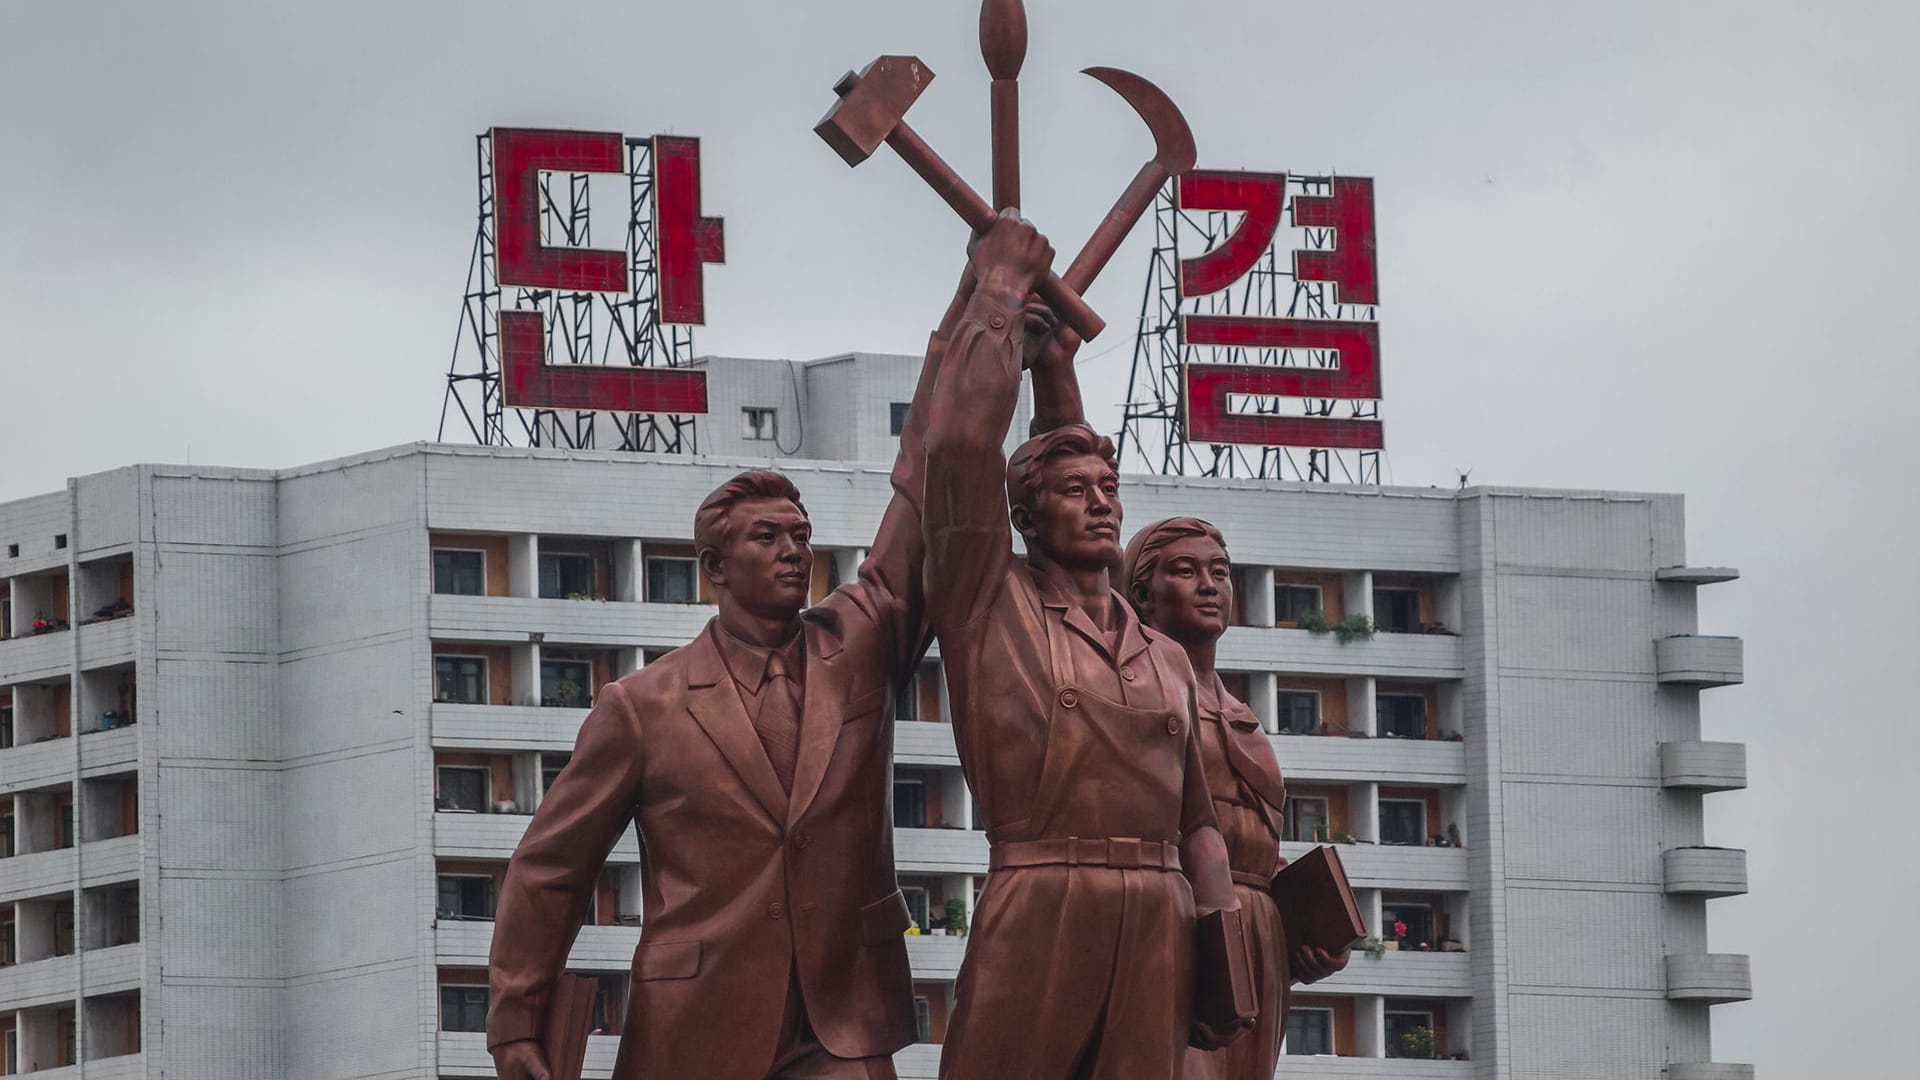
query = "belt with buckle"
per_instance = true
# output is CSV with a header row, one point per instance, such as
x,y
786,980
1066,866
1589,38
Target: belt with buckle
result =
x,y
1117,853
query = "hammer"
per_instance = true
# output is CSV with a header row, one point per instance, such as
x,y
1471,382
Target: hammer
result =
x,y
872,110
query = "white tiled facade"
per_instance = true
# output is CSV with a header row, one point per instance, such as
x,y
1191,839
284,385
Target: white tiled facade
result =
x,y
255,857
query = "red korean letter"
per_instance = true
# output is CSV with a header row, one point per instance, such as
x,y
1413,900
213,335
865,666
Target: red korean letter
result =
x,y
1204,414
1348,211
519,155
527,381
1259,195
687,240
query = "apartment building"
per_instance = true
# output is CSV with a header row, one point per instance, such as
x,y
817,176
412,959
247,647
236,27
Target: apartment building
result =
x,y
268,738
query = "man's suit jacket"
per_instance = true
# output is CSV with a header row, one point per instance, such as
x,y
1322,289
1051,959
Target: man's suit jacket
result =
x,y
743,884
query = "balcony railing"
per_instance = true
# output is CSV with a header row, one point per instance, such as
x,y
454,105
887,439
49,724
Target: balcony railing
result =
x,y
1708,1070
1388,866
1418,657
1709,766
464,1054
1715,978
465,943
1705,871
1404,974
919,742
566,622
1398,761
505,727
494,836
1700,660
1314,1067
939,851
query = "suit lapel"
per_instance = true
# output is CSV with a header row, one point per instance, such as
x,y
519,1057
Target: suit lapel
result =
x,y
715,705
822,709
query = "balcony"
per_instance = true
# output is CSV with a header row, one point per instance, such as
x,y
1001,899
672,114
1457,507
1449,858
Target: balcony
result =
x,y
1385,866
36,765
1396,761
1708,766
106,643
1403,974
919,742
103,752
1715,978
1705,871
921,1061
494,836
1413,657
1304,1067
1696,575
505,727
940,851
1708,1070
1700,660
29,657
464,1054
566,622
465,942
935,959
38,982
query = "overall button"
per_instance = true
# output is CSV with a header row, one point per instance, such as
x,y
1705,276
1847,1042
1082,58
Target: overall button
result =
x,y
1069,698
1173,725
997,320
776,910
1126,673
800,841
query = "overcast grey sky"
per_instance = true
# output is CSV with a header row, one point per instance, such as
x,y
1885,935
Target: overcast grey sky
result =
x,y
1661,246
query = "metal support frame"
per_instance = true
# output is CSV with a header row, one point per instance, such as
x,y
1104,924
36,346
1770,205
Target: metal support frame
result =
x,y
1150,424
582,328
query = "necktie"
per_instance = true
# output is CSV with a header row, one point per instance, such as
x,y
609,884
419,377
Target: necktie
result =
x,y
779,721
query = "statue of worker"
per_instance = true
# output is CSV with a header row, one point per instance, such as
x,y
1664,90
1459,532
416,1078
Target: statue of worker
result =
x,y
1180,580
1073,723
756,761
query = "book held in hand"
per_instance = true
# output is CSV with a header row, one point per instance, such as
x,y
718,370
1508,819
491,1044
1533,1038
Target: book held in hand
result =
x,y
569,1019
1316,904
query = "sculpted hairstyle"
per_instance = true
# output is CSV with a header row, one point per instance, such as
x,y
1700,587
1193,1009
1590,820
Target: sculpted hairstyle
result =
x,y
1023,468
710,526
1143,551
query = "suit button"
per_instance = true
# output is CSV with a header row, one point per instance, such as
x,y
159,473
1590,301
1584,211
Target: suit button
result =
x,y
776,910
800,841
1173,725
1068,698
1126,673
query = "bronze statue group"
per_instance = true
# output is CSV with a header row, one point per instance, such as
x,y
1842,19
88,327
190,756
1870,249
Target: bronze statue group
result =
x,y
1131,804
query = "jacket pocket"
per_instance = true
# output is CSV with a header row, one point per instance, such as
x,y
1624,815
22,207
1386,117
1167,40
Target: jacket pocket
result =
x,y
865,705
885,919
667,960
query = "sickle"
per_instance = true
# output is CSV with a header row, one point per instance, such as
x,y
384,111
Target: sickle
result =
x,y
1173,154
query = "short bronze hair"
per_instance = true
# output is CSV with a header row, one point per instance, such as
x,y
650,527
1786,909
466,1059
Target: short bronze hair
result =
x,y
1143,551
710,525
1031,457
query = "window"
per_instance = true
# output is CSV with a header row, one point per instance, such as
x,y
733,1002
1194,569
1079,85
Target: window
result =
x,y
13,551
1309,1031
66,826
566,684
1297,712
7,955
897,418
917,904
459,573
550,766
1307,820
563,576
59,541
63,929
123,917
1417,918
463,1008
1401,716
909,804
906,700
609,1003
6,612
460,679
13,1051
1396,611
922,1019
1403,821
1290,602
1402,1024
6,726
757,423
463,788
465,897
672,581
6,836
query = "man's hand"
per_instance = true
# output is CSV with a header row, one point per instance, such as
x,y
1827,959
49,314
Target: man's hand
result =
x,y
1205,1036
521,1060
1012,256
1312,963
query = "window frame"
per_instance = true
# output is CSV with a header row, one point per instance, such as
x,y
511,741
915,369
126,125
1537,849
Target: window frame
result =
x,y
693,577
897,416
1386,1028
561,592
492,903
1422,720
1284,613
1422,834
1292,820
1380,625
1319,710
926,901
479,553
916,781
1333,1046
485,679
1432,936
922,1018
486,772
750,431
550,701
464,988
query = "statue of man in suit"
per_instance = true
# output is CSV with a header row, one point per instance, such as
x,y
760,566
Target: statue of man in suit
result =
x,y
756,762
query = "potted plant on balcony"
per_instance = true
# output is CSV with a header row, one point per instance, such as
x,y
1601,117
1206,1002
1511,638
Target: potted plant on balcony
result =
x,y
1355,626
1417,1042
957,917
1373,947
1313,622
1399,933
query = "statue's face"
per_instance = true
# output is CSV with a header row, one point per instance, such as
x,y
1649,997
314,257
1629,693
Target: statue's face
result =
x,y
1189,596
1075,518
768,561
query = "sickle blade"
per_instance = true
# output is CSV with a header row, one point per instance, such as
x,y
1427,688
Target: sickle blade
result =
x,y
1173,139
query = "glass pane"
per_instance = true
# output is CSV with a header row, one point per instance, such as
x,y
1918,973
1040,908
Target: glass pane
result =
x,y
1310,1031
458,573
671,581
463,789
909,804
566,684
1402,822
1401,715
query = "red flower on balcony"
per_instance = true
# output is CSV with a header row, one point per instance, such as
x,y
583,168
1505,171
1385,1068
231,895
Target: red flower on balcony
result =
x,y
1399,929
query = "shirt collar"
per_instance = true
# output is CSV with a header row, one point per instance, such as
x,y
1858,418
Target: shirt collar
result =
x,y
748,663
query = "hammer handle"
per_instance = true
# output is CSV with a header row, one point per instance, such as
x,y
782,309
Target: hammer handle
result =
x,y
980,217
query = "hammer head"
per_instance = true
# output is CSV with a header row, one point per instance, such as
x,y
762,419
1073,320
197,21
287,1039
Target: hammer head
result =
x,y
1172,138
871,105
